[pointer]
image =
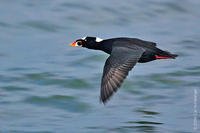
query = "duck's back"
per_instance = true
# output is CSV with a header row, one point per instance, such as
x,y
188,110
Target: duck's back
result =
x,y
130,43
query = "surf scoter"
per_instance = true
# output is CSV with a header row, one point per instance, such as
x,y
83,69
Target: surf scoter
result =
x,y
124,54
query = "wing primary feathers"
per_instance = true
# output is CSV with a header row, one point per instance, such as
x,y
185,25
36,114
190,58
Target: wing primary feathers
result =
x,y
116,70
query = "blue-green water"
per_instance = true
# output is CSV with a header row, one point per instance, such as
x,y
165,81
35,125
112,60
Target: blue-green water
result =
x,y
48,87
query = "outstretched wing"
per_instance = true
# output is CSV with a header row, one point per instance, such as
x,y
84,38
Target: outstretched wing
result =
x,y
116,68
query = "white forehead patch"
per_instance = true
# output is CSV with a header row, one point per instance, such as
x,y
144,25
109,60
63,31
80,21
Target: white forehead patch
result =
x,y
84,38
98,39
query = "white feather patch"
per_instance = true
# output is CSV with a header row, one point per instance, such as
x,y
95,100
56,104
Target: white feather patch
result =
x,y
76,45
83,38
98,39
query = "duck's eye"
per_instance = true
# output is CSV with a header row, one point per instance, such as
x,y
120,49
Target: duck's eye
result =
x,y
79,43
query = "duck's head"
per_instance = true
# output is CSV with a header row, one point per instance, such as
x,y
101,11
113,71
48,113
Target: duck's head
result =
x,y
88,42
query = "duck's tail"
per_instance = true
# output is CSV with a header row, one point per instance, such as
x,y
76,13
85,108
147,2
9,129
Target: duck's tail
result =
x,y
160,54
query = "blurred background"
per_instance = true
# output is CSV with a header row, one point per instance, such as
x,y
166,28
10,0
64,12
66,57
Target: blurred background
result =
x,y
48,87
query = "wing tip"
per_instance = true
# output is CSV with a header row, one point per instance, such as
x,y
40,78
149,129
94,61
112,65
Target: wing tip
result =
x,y
103,100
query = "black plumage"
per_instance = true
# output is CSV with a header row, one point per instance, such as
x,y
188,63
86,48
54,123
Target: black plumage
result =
x,y
124,54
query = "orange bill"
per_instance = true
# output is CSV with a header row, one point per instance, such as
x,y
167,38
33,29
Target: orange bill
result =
x,y
73,44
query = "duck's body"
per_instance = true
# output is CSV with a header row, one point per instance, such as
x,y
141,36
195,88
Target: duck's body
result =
x,y
124,54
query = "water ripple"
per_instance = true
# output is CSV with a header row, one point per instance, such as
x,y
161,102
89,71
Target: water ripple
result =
x,y
42,25
78,6
3,24
14,88
144,122
147,112
68,103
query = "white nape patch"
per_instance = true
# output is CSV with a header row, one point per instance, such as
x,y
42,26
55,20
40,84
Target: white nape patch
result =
x,y
84,38
98,39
